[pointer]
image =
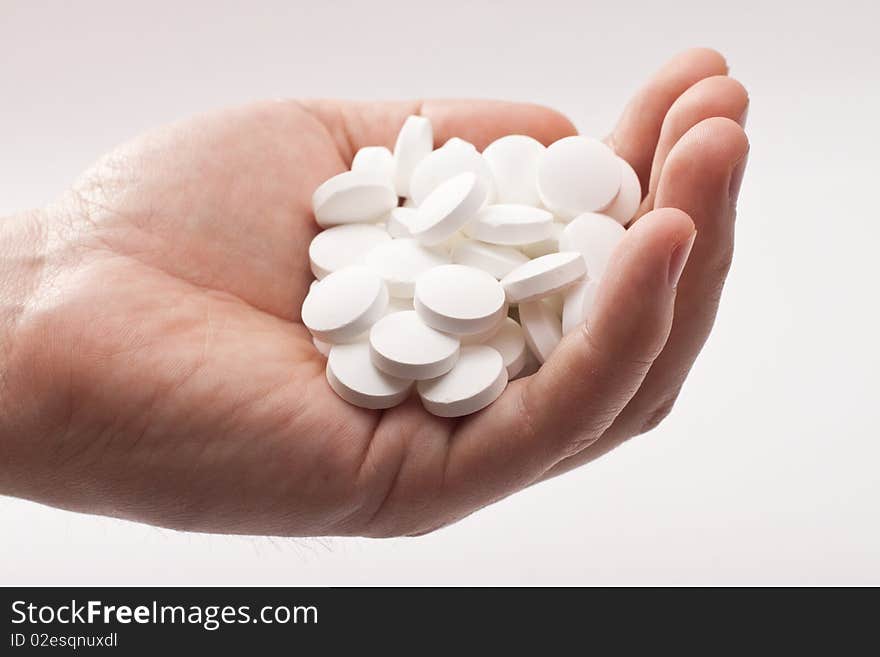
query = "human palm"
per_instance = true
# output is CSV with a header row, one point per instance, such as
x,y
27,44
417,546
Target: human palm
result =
x,y
161,371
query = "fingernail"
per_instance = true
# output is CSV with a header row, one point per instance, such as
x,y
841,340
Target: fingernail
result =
x,y
736,179
679,259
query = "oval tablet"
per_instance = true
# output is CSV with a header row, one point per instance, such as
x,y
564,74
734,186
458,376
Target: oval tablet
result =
x,y
458,142
414,142
513,161
578,302
322,347
449,207
595,237
578,174
511,344
625,205
459,300
491,258
353,197
510,224
541,327
446,163
404,346
544,276
341,246
345,304
377,160
477,379
352,375
401,262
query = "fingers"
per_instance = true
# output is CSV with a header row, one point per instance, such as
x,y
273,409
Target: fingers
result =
x,y
591,376
716,96
355,124
701,176
637,133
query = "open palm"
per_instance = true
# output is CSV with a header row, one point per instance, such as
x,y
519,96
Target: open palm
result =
x,y
161,372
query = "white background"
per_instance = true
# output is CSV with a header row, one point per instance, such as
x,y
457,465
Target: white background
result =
x,y
767,470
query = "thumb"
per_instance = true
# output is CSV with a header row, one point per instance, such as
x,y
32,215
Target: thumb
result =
x,y
590,377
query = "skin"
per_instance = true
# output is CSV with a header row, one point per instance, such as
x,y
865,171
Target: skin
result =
x,y
153,365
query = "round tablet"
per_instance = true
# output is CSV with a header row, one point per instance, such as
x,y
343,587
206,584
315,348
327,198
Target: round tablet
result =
x,y
341,246
477,379
458,142
544,276
352,375
345,304
578,302
543,247
449,207
541,327
446,163
510,224
625,205
414,142
401,262
403,346
595,237
459,300
491,258
510,343
377,160
483,336
398,304
399,221
513,161
353,197
578,174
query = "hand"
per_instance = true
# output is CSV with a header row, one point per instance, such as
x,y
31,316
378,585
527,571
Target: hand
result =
x,y
154,366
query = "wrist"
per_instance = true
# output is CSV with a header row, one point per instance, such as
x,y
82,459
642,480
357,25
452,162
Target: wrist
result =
x,y
23,239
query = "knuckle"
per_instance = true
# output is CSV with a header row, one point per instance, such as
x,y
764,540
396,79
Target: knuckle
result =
x,y
657,414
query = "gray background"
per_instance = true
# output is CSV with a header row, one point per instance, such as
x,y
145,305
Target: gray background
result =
x,y
767,470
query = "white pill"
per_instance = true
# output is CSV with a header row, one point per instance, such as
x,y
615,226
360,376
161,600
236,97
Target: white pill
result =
x,y
459,300
398,305
483,336
541,327
401,262
578,174
414,142
491,258
513,161
595,237
399,221
458,142
446,163
341,246
322,347
409,203
345,304
511,344
353,197
543,247
477,379
404,346
578,303
511,224
625,205
449,207
544,276
375,159
352,375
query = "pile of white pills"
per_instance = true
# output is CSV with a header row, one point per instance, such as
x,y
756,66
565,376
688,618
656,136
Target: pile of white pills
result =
x,y
474,278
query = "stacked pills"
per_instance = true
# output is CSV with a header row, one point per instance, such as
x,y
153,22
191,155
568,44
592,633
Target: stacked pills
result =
x,y
474,278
